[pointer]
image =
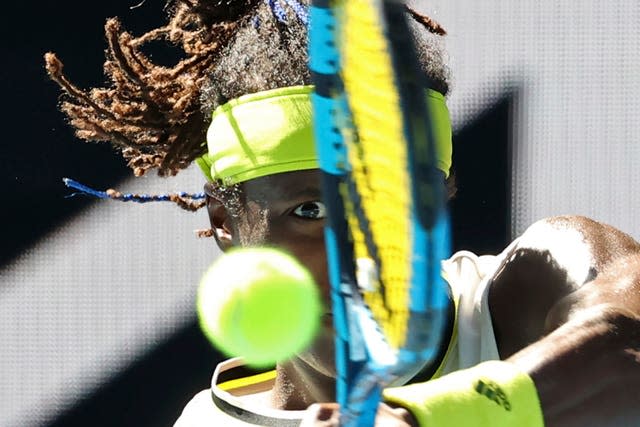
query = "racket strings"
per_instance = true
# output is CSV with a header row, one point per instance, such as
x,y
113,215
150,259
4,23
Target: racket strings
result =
x,y
379,201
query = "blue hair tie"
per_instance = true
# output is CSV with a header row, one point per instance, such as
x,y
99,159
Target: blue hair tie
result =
x,y
128,197
277,10
300,10
256,22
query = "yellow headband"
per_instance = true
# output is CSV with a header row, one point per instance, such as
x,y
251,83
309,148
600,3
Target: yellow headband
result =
x,y
271,132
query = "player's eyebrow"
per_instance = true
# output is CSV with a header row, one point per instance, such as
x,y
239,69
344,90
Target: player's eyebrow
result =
x,y
307,192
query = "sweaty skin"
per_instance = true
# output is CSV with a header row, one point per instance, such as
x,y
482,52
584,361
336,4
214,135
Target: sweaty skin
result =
x,y
285,210
565,309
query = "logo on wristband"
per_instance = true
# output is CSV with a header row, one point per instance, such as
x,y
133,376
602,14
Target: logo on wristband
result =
x,y
492,391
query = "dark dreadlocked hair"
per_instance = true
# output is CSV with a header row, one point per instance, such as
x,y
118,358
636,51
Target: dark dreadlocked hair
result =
x,y
157,115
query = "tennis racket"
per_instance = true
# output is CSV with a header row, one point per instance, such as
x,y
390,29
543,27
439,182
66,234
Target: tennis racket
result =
x,y
387,227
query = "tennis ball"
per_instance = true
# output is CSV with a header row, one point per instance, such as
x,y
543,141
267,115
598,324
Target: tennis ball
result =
x,y
258,303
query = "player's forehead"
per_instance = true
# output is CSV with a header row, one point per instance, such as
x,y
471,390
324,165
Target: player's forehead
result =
x,y
287,186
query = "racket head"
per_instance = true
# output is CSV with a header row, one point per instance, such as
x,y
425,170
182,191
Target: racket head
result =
x,y
384,196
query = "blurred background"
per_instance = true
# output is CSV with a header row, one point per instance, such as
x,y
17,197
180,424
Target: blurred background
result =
x,y
97,319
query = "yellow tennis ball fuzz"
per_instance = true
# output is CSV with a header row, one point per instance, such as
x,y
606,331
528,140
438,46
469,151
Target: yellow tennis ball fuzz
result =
x,y
258,303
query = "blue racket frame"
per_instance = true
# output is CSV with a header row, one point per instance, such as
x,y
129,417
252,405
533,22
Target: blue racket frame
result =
x,y
364,362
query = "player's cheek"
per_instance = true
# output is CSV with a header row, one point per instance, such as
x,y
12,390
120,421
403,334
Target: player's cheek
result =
x,y
315,258
309,248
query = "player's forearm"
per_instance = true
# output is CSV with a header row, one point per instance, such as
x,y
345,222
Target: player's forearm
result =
x,y
587,372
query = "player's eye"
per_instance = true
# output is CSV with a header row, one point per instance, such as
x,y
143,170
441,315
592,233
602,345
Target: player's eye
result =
x,y
311,210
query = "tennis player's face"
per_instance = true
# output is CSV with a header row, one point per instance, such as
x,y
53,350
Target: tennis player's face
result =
x,y
285,210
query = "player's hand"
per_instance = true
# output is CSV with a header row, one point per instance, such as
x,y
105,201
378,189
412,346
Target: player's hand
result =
x,y
327,415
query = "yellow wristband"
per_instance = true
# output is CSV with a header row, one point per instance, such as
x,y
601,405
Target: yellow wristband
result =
x,y
494,394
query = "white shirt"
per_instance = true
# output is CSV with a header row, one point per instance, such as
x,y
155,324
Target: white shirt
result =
x,y
473,341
